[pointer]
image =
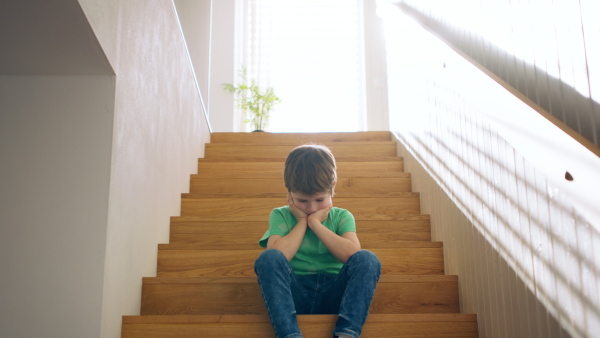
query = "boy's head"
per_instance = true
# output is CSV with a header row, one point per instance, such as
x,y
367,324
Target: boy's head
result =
x,y
310,169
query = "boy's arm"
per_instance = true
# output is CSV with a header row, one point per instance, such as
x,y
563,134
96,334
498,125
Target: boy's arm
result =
x,y
341,247
290,243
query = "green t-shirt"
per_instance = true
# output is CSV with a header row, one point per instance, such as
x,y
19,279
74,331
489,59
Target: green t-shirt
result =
x,y
312,256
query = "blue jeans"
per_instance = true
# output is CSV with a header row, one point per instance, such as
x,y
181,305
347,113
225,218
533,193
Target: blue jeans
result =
x,y
347,294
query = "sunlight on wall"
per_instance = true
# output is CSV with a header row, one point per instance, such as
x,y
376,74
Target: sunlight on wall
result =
x,y
548,50
504,168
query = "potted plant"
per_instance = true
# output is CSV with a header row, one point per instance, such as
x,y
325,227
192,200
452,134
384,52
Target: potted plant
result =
x,y
256,104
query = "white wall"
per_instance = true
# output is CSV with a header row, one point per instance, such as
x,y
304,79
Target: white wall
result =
x,y
375,69
92,166
213,57
159,133
523,240
55,146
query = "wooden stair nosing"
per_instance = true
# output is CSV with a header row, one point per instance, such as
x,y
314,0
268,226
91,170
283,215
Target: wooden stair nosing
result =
x,y
293,144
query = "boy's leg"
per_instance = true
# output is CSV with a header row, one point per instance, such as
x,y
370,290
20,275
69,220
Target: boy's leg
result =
x,y
356,282
279,288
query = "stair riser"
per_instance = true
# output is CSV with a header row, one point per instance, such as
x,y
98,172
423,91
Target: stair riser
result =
x,y
250,241
358,186
244,151
309,330
275,169
239,299
262,207
301,138
414,226
224,263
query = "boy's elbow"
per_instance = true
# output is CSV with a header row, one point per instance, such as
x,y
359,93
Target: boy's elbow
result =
x,y
346,256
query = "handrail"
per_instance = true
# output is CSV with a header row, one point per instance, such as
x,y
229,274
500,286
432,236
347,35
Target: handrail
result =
x,y
192,68
543,112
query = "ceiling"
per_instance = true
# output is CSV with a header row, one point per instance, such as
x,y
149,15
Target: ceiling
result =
x,y
41,37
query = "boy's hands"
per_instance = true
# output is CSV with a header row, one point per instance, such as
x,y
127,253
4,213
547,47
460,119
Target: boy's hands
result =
x,y
320,215
299,214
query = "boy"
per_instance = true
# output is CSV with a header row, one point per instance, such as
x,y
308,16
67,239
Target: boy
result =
x,y
313,263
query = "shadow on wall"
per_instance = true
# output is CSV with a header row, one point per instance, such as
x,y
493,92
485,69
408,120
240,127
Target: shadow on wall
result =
x,y
508,291
546,248
564,102
505,234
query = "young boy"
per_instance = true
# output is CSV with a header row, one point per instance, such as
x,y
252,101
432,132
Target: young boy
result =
x,y
313,263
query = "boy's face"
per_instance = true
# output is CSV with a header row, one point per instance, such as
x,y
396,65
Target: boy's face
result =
x,y
311,203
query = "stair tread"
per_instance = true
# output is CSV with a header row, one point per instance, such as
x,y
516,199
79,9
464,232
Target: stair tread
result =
x,y
373,318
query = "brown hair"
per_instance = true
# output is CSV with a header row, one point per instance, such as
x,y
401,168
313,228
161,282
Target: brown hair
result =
x,y
310,169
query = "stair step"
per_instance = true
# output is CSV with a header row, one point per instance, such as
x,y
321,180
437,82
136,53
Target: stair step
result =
x,y
412,228
280,151
274,187
233,241
252,208
240,263
301,138
242,218
357,159
274,169
312,326
242,295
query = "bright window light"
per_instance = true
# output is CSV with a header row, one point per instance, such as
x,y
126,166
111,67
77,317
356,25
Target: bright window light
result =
x,y
311,53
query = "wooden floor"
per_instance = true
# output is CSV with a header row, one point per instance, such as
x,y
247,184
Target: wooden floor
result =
x,y
206,286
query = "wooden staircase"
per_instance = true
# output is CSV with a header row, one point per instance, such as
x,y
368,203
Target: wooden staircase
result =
x,y
206,286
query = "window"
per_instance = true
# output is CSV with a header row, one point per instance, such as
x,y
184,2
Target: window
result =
x,y
311,52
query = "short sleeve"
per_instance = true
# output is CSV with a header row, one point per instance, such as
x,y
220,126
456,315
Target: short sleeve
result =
x,y
345,222
281,222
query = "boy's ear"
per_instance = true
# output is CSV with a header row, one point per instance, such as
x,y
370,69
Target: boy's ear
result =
x,y
333,188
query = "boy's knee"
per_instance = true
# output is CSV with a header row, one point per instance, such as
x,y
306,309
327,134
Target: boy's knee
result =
x,y
367,259
268,257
